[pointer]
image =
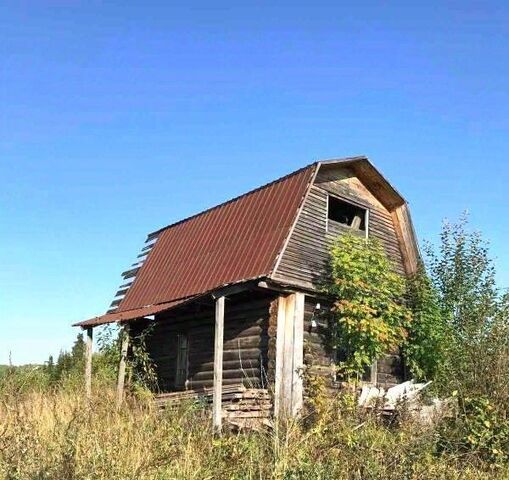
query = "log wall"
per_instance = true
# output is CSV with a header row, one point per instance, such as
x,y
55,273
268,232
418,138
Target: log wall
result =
x,y
319,356
246,338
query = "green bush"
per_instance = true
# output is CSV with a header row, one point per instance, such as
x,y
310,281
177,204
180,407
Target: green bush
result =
x,y
478,427
425,349
371,318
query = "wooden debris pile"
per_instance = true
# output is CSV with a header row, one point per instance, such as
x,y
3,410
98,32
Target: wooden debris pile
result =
x,y
242,407
387,402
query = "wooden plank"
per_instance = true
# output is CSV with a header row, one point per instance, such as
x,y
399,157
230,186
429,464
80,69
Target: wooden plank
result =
x,y
407,238
218,365
280,342
298,354
122,364
287,383
248,382
288,389
130,273
88,362
374,373
239,374
260,414
121,292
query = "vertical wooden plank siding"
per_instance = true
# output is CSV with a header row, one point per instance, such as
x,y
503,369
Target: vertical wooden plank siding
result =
x,y
218,365
88,362
122,364
288,391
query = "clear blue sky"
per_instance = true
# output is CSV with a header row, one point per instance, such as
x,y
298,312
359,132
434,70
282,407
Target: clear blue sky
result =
x,y
117,119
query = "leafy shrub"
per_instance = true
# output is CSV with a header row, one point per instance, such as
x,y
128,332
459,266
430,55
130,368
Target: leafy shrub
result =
x,y
425,348
370,316
478,427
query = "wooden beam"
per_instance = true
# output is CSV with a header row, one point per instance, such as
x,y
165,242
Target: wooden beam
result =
x,y
122,364
232,289
218,366
88,362
288,388
298,355
280,343
287,380
374,373
407,238
286,286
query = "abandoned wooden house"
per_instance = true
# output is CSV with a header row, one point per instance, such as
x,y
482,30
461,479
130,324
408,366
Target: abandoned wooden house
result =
x,y
232,295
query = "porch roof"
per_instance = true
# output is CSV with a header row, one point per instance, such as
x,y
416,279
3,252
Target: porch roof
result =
x,y
123,316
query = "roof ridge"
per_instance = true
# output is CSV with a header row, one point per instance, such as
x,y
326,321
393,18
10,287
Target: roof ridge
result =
x,y
155,233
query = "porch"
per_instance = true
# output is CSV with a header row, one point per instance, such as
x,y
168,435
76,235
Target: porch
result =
x,y
239,349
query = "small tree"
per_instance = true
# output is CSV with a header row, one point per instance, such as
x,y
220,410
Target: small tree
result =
x,y
476,362
475,311
370,316
49,369
464,276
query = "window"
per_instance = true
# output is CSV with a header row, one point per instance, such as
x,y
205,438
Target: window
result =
x,y
346,214
182,361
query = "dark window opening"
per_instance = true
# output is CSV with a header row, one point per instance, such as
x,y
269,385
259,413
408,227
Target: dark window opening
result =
x,y
347,214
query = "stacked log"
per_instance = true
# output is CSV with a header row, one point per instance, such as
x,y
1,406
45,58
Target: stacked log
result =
x,y
242,407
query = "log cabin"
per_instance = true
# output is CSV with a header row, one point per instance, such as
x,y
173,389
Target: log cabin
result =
x,y
232,296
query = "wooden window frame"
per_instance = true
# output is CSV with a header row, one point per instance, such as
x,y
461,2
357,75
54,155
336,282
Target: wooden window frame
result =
x,y
351,202
182,382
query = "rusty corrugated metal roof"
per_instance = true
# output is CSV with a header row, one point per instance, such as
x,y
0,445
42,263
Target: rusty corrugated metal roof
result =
x,y
235,241
130,314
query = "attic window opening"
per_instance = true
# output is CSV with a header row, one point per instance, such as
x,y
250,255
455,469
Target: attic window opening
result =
x,y
346,214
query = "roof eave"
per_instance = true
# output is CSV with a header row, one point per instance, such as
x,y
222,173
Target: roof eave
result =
x,y
357,162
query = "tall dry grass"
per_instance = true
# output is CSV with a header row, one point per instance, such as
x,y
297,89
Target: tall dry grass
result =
x,y
60,435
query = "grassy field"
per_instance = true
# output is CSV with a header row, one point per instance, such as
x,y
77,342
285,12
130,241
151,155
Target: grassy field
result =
x,y
459,339
59,435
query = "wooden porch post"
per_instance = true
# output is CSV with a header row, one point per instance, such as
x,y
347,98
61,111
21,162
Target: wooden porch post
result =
x,y
122,364
218,366
88,363
288,392
298,355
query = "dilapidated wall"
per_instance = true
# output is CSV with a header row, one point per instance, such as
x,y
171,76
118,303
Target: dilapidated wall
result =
x,y
320,357
245,343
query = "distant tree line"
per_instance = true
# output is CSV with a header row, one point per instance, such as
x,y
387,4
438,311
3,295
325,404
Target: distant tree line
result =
x,y
67,364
